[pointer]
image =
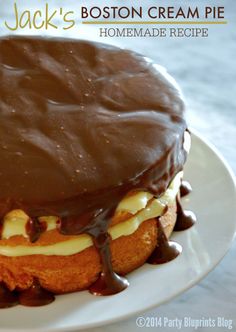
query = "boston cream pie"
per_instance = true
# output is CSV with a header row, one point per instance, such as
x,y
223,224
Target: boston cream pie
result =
x,y
92,146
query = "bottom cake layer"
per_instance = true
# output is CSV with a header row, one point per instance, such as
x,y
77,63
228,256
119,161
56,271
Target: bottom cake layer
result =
x,y
62,274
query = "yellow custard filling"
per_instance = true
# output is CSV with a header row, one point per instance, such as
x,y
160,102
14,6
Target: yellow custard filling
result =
x,y
142,206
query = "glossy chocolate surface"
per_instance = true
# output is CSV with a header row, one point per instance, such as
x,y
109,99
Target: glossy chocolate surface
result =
x,y
81,122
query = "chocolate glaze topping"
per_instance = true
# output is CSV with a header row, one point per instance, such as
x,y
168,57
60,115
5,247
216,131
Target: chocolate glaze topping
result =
x,y
90,121
82,124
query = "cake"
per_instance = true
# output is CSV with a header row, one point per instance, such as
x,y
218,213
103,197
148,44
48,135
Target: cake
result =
x,y
93,141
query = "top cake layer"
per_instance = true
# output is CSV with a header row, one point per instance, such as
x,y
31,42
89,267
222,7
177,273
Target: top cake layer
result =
x,y
82,124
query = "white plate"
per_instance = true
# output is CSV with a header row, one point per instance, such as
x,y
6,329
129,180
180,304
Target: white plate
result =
x,y
213,200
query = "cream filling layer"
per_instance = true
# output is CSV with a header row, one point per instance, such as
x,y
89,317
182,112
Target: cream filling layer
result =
x,y
142,206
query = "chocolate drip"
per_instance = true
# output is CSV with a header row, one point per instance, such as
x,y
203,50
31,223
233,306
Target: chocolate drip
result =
x,y
108,282
185,188
34,229
35,296
165,250
185,219
7,298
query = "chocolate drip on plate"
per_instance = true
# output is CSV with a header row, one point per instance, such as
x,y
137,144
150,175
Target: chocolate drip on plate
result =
x,y
185,218
108,282
185,188
7,298
165,250
32,297
35,296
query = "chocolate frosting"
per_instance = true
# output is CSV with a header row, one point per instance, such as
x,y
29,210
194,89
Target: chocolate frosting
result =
x,y
82,124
